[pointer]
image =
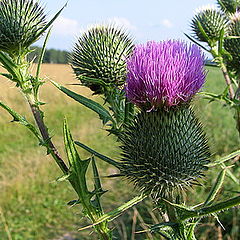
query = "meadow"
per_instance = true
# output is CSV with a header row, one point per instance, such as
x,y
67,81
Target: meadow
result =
x,y
33,205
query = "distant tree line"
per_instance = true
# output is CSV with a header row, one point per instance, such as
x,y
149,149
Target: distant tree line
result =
x,y
50,56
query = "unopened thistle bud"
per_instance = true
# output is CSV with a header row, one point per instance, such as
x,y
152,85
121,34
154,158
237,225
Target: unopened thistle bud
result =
x,y
101,53
21,22
229,6
164,149
232,44
208,24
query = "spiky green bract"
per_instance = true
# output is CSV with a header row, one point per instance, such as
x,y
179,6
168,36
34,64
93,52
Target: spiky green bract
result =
x,y
232,45
208,24
229,6
101,53
164,152
21,22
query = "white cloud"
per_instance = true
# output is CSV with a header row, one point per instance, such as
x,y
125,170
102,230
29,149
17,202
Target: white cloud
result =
x,y
166,23
66,26
121,22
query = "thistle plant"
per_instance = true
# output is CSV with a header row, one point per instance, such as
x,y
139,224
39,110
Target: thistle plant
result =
x,y
164,147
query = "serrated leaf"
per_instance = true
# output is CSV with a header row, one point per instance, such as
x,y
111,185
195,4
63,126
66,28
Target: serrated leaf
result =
x,y
78,167
117,212
99,155
216,187
205,211
98,191
10,66
22,120
104,115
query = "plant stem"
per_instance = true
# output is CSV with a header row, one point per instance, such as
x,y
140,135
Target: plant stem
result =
x,y
223,67
227,79
45,135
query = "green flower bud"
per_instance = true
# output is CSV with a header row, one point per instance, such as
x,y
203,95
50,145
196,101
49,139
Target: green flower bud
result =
x,y
21,22
232,45
101,53
229,6
164,152
208,24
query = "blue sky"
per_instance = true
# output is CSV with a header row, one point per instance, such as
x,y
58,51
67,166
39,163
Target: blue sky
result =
x,y
145,19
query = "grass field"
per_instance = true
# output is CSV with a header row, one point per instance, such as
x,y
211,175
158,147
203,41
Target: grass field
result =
x,y
33,204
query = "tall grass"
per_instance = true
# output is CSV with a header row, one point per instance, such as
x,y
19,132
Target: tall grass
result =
x,y
33,203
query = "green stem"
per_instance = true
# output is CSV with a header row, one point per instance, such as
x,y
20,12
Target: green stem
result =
x,y
227,79
47,139
223,67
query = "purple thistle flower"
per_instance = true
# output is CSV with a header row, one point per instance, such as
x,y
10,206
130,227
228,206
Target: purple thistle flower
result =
x,y
164,74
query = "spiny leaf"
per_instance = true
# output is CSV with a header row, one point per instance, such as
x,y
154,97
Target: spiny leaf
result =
x,y
117,212
99,155
98,191
94,106
22,120
78,167
216,187
224,159
10,66
194,41
212,209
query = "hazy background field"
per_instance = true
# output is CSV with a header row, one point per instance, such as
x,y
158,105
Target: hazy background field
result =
x,y
33,204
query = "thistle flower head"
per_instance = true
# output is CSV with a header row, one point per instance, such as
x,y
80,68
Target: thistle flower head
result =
x,y
208,24
21,22
229,6
164,74
101,53
164,152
